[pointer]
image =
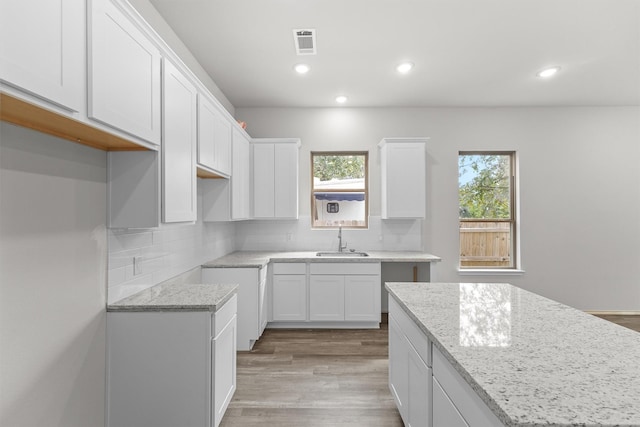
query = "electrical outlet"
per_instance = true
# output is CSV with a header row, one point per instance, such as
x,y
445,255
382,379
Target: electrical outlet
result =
x,y
289,236
137,267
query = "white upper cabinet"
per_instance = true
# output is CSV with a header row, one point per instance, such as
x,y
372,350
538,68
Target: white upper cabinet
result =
x,y
240,179
43,49
179,115
275,178
228,199
403,180
214,138
123,73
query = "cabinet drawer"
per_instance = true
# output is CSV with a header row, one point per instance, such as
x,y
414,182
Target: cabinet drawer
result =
x,y
467,402
344,268
224,314
289,268
416,337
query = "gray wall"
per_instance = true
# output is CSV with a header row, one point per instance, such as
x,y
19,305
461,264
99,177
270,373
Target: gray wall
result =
x,y
53,255
579,186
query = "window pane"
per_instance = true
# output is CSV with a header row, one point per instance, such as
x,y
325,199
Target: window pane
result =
x,y
484,186
334,172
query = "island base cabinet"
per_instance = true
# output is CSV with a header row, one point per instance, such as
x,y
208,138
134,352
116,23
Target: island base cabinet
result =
x,y
445,413
409,378
167,369
461,396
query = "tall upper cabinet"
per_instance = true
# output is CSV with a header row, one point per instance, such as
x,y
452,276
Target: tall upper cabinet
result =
x,y
43,50
123,73
403,181
275,177
179,115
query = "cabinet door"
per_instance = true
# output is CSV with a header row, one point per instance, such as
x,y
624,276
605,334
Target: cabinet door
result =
x,y
263,180
445,414
178,148
224,370
326,297
362,296
403,179
289,297
285,192
398,368
43,49
240,185
214,137
419,391
123,74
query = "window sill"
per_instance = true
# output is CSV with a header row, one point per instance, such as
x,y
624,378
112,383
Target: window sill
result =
x,y
490,272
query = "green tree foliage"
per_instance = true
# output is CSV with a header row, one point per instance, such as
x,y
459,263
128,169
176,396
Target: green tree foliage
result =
x,y
338,167
486,195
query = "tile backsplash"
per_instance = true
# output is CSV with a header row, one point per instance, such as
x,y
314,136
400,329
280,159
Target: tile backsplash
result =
x,y
389,235
141,258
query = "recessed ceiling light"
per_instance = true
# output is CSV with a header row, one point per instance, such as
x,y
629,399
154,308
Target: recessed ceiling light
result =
x,y
405,67
548,72
341,99
302,68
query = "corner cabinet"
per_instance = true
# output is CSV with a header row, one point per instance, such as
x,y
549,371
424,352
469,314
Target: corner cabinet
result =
x,y
252,299
179,193
229,199
214,138
123,72
403,177
43,49
275,178
167,369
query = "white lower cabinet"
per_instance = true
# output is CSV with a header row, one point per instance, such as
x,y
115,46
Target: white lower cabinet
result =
x,y
289,292
344,292
167,369
409,369
252,299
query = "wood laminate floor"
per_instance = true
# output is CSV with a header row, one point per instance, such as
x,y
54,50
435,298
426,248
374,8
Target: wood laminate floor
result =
x,y
322,378
628,321
314,378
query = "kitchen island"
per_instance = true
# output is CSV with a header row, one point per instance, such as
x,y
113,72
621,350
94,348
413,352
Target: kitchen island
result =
x,y
495,354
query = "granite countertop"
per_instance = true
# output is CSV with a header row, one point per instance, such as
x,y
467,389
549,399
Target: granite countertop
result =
x,y
533,361
177,297
261,259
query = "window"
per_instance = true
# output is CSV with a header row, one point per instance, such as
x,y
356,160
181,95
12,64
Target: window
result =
x,y
486,194
339,189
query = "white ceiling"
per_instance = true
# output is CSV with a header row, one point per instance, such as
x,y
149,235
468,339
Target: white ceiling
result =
x,y
466,52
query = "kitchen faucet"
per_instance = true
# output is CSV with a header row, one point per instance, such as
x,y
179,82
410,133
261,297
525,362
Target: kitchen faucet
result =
x,y
340,247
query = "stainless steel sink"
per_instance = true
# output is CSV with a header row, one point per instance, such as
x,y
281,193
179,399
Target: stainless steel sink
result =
x,y
342,254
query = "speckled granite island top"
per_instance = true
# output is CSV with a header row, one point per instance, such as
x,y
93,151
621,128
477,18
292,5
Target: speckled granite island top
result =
x,y
261,259
534,361
177,297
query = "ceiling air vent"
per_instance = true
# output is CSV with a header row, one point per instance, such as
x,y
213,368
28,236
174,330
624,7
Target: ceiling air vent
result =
x,y
305,41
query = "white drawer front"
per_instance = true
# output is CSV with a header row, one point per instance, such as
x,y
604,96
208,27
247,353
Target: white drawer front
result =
x,y
289,268
224,314
344,268
416,337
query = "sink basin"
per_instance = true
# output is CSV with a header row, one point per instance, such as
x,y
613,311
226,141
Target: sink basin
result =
x,y
340,254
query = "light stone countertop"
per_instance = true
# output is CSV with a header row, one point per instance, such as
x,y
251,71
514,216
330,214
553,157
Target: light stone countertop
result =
x,y
177,297
533,361
250,259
